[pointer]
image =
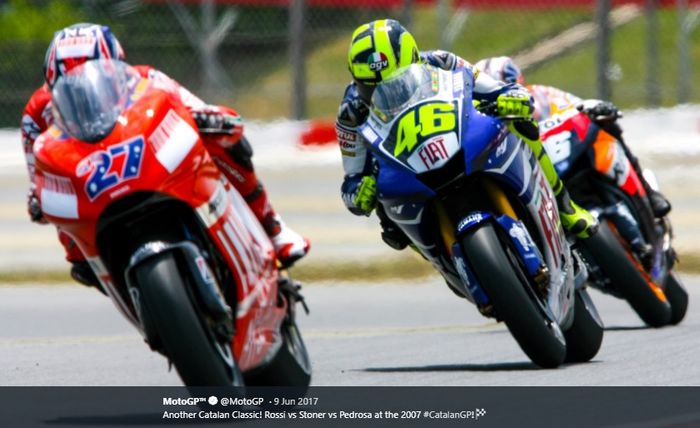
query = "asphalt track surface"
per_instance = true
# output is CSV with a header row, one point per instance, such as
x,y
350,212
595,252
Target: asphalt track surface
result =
x,y
357,334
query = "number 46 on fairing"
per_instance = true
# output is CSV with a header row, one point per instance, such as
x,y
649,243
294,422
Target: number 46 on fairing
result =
x,y
419,124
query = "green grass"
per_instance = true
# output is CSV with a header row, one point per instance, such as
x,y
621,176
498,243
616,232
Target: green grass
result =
x,y
576,72
409,268
490,33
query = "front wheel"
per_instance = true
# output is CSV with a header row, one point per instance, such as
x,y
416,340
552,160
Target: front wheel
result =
x,y
199,356
504,282
584,337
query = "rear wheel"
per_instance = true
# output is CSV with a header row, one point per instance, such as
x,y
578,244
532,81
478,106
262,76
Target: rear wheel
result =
x,y
505,284
628,277
199,356
584,337
677,295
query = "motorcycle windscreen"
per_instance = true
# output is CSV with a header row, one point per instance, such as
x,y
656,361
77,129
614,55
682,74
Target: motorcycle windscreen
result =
x,y
409,85
88,99
424,131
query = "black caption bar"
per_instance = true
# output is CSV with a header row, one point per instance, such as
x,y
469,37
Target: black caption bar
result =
x,y
352,407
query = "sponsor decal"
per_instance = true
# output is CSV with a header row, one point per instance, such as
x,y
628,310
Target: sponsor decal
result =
x,y
229,171
461,267
217,203
378,61
173,140
211,211
369,134
469,220
58,197
549,223
518,232
433,152
458,83
346,136
76,47
346,145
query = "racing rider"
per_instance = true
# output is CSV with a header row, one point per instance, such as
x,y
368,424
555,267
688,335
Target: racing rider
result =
x,y
377,50
550,101
221,129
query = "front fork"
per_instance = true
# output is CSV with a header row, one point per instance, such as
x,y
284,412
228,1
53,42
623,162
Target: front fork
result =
x,y
507,221
205,290
290,290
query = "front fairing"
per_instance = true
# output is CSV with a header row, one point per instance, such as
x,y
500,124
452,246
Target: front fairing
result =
x,y
568,136
152,147
404,139
404,158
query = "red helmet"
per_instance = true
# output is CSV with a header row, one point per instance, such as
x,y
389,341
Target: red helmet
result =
x,y
76,44
501,68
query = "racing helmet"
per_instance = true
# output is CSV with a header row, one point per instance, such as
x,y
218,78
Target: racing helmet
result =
x,y
378,49
501,68
88,99
76,44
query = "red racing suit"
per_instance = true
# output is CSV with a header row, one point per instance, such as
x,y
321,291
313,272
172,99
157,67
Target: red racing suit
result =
x,y
232,153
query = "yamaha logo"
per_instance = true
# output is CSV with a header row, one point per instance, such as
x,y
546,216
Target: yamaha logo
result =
x,y
378,61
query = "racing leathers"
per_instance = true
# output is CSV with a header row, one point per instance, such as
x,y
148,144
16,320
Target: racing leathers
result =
x,y
221,129
358,188
611,153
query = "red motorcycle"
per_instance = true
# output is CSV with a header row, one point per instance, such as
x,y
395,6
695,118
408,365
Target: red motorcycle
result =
x,y
124,172
631,256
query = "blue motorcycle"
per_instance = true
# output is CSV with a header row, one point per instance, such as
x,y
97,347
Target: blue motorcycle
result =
x,y
474,202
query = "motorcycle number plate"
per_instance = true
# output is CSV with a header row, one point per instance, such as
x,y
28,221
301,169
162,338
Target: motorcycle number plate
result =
x,y
558,146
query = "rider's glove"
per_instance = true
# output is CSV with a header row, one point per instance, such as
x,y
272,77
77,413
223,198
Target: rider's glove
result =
x,y
514,105
211,120
599,111
34,208
360,194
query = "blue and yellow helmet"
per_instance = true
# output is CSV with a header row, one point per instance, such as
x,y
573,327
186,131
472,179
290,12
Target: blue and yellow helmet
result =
x,y
378,49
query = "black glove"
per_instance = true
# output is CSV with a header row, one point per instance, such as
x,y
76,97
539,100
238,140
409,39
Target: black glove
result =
x,y
34,208
599,111
210,120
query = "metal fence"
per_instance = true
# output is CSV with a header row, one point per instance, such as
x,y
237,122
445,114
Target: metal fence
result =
x,y
287,58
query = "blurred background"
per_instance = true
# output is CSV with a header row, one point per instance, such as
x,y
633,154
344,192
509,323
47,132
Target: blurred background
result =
x,y
286,58
282,65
